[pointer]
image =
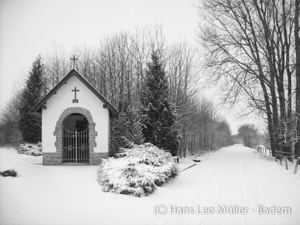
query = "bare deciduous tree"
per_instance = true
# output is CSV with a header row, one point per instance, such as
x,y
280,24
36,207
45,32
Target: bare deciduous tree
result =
x,y
251,49
117,69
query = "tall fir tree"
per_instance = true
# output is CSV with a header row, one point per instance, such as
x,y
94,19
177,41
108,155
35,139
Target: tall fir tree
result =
x,y
126,130
30,125
157,113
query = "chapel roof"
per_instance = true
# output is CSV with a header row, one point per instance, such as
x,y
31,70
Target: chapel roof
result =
x,y
37,109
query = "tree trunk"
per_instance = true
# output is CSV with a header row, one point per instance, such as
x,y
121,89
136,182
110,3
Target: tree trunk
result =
x,y
297,44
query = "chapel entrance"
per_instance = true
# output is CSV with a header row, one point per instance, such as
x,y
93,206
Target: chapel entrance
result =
x,y
75,139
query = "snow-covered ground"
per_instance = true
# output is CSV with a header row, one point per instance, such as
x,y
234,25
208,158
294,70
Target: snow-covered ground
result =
x,y
234,176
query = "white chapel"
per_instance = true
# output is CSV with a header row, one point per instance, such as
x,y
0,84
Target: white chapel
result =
x,y
75,122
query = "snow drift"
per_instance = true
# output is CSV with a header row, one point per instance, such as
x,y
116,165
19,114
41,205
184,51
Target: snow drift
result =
x,y
137,171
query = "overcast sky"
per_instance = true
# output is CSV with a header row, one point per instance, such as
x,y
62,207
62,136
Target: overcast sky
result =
x,y
32,27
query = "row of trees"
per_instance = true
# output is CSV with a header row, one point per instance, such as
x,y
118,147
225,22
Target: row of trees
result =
x,y
253,49
16,123
118,69
249,134
9,122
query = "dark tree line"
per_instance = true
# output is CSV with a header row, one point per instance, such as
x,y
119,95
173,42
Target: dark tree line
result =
x,y
249,134
117,68
9,130
17,124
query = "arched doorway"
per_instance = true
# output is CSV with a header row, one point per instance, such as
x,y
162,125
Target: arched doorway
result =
x,y
75,139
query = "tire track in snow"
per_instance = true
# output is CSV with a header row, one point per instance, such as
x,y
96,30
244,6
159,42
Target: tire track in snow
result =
x,y
242,185
189,219
227,190
230,201
203,185
208,178
215,182
255,188
224,169
224,176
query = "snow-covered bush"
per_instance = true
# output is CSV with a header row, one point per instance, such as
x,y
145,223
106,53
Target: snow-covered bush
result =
x,y
137,171
31,149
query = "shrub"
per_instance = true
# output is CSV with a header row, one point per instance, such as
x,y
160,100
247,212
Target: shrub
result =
x,y
138,171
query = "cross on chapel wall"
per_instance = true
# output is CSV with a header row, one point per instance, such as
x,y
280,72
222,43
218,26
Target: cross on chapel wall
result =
x,y
75,100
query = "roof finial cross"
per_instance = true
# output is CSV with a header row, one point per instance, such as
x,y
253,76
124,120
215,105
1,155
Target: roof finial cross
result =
x,y
74,61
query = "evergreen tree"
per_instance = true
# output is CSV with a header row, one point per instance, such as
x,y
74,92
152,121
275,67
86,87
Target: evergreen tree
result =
x,y
125,130
135,127
30,125
158,114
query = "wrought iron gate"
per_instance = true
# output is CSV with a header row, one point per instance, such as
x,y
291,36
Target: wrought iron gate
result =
x,y
75,146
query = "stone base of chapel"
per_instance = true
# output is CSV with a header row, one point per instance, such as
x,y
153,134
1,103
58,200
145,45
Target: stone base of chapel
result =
x,y
55,158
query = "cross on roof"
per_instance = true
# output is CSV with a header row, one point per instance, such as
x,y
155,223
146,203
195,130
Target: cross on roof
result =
x,y
74,61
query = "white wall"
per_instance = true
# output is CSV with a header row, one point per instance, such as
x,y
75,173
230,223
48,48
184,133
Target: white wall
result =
x,y
63,100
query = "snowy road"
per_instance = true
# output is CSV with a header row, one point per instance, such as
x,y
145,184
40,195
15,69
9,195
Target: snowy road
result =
x,y
235,177
240,179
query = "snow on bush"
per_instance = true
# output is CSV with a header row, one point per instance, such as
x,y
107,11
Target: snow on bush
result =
x,y
137,171
31,149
